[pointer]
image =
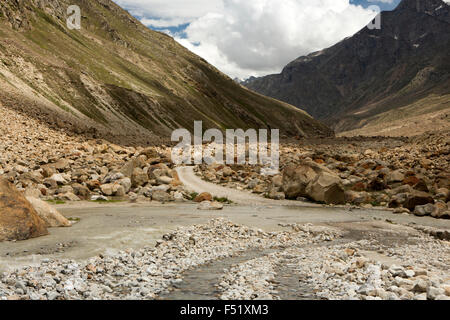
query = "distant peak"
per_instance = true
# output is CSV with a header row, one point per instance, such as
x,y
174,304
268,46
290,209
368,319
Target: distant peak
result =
x,y
420,5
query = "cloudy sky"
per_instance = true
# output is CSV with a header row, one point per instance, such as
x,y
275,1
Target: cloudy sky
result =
x,y
255,37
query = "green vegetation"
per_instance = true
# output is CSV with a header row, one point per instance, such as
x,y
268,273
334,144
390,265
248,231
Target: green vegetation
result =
x,y
223,200
56,201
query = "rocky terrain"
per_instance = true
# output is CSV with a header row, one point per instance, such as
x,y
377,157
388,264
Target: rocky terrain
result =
x,y
407,176
378,80
342,269
117,79
50,164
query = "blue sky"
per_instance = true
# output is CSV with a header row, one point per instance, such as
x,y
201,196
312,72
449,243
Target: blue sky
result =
x,y
255,37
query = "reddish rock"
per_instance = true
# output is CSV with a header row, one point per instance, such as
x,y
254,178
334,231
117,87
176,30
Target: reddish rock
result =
x,y
359,186
205,196
411,180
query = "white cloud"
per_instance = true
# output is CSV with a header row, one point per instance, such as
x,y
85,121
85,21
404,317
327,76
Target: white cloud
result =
x,y
254,37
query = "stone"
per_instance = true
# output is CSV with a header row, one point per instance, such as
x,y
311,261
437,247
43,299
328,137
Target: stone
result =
x,y
417,198
139,178
81,191
440,210
50,215
69,196
422,211
208,205
227,171
275,195
296,179
205,196
433,293
161,196
18,219
326,188
164,180
107,189
395,176
99,198
58,179
420,286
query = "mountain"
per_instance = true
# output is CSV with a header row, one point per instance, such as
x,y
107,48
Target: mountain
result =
x,y
376,76
116,79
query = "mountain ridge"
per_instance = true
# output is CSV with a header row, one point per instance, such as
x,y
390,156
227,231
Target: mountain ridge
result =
x,y
372,72
117,79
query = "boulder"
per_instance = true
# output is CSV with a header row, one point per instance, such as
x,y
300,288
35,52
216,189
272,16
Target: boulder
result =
x,y
425,210
18,219
313,181
417,198
139,177
440,210
50,215
81,191
326,188
161,196
208,205
205,196
107,189
395,176
296,179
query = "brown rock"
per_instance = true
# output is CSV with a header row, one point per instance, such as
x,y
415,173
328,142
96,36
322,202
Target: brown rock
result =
x,y
205,196
296,179
18,219
50,215
417,198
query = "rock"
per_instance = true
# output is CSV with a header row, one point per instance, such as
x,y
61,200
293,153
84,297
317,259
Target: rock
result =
x,y
326,188
164,180
417,198
296,179
81,191
50,215
395,176
277,181
227,171
138,178
69,196
440,210
422,211
433,293
107,189
397,271
357,198
178,196
205,196
314,181
401,211
420,286
58,179
208,205
18,219
161,196
99,198
275,195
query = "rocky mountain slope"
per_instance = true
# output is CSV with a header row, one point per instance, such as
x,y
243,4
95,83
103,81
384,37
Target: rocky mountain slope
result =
x,y
376,76
117,79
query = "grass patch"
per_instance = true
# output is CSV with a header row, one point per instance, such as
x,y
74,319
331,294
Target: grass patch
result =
x,y
223,200
56,201
74,219
193,195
